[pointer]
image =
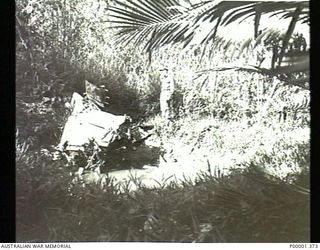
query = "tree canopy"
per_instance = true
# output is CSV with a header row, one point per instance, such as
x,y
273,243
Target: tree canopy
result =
x,y
154,24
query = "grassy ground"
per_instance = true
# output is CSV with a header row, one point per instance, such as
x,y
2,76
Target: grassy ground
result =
x,y
246,206
254,170
253,187
211,144
244,194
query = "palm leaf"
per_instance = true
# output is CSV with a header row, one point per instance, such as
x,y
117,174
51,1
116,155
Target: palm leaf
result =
x,y
301,64
141,18
238,13
257,19
267,36
158,23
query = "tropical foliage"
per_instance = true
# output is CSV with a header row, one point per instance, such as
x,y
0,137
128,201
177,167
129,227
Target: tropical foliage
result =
x,y
155,24
237,121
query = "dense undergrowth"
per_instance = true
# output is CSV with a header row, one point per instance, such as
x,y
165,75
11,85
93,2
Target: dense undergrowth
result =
x,y
255,179
245,206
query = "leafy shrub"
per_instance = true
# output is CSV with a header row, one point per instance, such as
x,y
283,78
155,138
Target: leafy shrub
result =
x,y
225,119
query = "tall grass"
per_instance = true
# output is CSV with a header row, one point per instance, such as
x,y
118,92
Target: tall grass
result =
x,y
245,206
227,121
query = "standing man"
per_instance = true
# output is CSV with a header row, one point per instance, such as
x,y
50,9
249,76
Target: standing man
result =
x,y
167,90
166,108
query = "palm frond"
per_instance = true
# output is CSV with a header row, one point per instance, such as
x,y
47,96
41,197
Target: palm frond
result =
x,y
158,23
138,20
257,18
174,23
294,63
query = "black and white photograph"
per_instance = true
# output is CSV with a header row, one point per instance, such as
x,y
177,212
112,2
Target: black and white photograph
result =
x,y
183,121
